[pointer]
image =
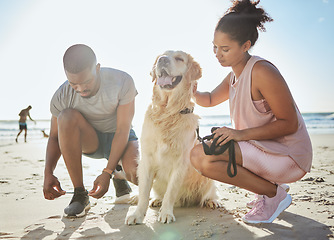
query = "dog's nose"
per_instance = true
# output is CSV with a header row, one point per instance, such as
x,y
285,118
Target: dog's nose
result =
x,y
163,60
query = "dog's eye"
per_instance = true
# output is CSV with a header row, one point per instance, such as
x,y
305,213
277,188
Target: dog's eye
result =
x,y
179,59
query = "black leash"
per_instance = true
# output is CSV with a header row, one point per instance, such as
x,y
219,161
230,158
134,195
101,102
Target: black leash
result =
x,y
214,149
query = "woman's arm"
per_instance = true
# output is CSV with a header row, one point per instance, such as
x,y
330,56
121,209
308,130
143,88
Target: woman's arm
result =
x,y
217,96
268,83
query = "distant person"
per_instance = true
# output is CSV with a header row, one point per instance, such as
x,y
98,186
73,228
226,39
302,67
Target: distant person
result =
x,y
91,114
23,122
272,146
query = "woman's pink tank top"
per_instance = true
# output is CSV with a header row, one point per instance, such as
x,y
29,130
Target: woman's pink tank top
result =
x,y
244,114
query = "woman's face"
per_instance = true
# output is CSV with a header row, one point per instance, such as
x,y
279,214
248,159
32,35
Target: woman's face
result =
x,y
228,52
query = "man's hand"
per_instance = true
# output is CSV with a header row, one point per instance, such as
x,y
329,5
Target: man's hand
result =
x,y
101,185
52,188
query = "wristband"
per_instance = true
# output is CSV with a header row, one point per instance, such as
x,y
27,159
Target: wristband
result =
x,y
107,170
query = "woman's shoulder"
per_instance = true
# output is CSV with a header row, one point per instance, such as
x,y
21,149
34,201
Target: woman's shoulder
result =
x,y
261,62
264,68
266,75
228,77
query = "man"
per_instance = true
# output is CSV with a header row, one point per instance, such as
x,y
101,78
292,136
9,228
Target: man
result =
x,y
23,122
91,114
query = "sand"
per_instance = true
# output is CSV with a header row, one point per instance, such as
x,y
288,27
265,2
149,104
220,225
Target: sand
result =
x,y
25,214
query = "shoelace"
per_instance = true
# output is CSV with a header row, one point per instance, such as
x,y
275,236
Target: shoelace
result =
x,y
214,149
256,198
259,205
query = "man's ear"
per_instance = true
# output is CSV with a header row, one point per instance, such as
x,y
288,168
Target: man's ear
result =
x,y
97,68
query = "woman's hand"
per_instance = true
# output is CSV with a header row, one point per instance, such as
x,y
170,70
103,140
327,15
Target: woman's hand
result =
x,y
226,134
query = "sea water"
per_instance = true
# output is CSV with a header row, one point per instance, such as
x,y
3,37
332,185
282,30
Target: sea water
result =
x,y
316,123
10,128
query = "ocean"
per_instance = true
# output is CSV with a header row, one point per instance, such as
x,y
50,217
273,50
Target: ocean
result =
x,y
317,123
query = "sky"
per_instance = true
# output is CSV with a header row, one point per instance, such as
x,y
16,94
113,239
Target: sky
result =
x,y
130,34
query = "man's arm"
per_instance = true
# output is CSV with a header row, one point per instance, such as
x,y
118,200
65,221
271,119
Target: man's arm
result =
x,y
125,115
30,117
51,186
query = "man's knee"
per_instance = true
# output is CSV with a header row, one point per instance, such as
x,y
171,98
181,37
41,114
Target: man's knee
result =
x,y
132,176
68,116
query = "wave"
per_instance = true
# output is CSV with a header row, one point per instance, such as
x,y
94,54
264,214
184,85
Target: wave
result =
x,y
330,117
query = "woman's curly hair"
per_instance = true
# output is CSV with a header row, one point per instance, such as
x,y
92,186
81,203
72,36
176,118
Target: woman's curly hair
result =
x,y
242,20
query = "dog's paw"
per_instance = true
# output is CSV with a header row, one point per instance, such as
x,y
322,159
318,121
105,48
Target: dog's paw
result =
x,y
166,217
134,219
156,203
213,204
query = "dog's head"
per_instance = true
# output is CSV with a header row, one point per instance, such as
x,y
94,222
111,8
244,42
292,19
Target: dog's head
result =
x,y
174,67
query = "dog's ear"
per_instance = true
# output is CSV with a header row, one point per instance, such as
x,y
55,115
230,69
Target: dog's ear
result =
x,y
152,73
195,70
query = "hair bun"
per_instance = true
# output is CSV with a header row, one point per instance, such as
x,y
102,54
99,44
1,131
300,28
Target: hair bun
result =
x,y
249,11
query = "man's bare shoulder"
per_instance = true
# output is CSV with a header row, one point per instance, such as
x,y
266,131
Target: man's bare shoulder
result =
x,y
23,113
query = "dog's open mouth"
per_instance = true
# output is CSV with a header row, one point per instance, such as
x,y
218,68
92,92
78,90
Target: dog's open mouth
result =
x,y
168,82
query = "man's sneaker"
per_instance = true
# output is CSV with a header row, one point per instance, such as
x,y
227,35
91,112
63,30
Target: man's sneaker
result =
x,y
252,203
79,204
122,190
267,209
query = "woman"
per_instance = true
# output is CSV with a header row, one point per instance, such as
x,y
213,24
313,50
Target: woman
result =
x,y
272,145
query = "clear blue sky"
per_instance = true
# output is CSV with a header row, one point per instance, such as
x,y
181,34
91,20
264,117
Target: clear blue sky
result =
x,y
128,35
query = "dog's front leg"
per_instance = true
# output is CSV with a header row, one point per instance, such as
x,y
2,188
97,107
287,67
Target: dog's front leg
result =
x,y
166,211
145,181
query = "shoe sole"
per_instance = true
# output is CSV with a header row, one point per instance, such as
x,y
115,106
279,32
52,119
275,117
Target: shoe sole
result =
x,y
284,186
82,214
123,199
284,204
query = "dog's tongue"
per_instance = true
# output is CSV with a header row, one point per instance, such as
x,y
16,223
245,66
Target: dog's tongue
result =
x,y
164,80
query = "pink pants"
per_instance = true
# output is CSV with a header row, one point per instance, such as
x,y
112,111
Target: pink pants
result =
x,y
272,167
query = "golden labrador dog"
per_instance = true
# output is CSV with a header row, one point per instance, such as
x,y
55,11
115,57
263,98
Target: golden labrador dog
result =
x,y
168,135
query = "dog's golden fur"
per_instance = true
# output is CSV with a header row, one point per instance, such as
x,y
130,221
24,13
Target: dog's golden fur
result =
x,y
166,141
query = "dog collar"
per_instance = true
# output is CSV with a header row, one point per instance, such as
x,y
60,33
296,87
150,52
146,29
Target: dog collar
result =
x,y
187,110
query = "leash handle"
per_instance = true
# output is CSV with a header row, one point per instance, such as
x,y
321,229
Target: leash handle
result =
x,y
231,162
217,150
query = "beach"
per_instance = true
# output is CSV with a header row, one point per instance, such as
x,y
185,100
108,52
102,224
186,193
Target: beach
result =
x,y
25,214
